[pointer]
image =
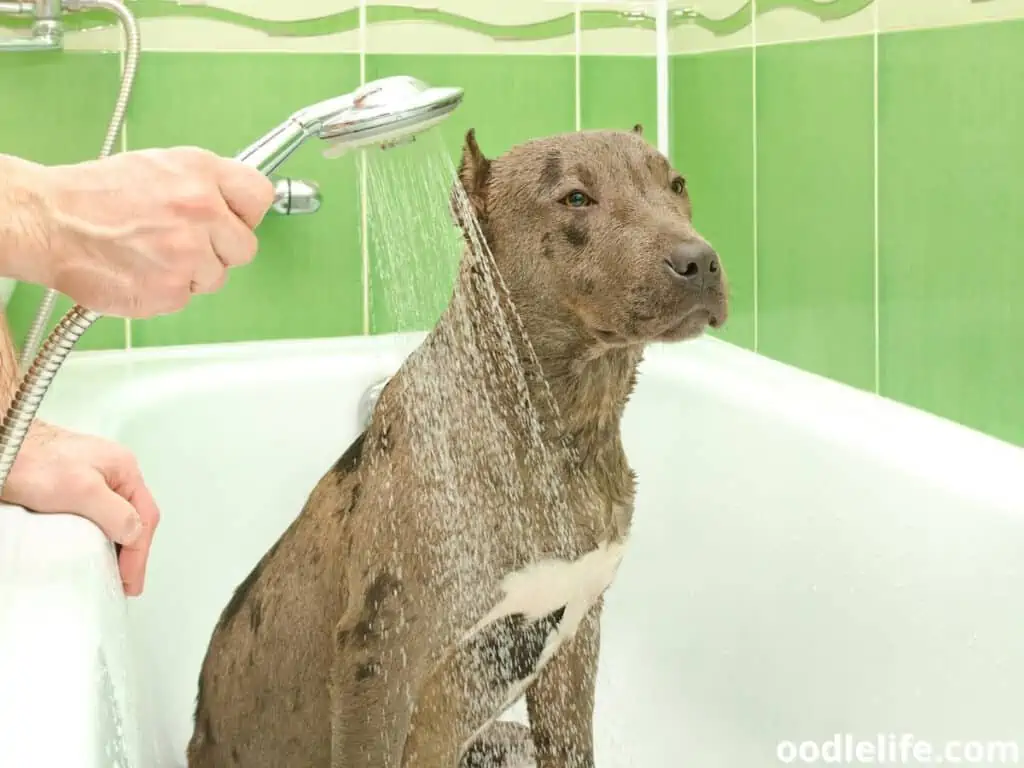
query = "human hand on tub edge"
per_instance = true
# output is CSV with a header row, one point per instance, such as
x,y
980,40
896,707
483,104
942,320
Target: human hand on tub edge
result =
x,y
133,235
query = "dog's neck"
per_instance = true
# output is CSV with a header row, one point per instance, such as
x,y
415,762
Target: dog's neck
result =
x,y
589,381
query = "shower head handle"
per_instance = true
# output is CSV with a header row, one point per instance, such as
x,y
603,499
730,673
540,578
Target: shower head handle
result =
x,y
269,151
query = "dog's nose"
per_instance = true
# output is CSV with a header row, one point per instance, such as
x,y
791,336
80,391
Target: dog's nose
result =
x,y
695,262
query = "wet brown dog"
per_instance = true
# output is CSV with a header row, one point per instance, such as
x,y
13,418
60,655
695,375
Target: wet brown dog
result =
x,y
456,556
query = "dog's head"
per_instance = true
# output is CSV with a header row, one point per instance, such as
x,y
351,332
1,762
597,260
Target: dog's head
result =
x,y
597,223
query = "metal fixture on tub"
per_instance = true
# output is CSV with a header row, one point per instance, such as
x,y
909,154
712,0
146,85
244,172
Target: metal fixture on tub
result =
x,y
47,33
295,197
368,401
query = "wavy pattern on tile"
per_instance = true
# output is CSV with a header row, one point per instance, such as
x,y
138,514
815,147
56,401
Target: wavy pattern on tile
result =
x,y
742,17
348,20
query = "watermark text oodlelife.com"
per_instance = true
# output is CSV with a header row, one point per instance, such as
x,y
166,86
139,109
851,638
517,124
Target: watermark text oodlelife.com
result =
x,y
897,749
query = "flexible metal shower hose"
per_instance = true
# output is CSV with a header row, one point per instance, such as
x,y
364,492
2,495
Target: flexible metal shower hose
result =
x,y
37,379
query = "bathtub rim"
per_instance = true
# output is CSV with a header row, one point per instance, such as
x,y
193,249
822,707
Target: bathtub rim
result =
x,y
966,461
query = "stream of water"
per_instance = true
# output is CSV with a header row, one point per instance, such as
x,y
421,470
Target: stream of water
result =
x,y
479,413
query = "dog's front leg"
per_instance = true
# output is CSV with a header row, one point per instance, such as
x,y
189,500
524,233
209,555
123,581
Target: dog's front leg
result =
x,y
378,658
561,700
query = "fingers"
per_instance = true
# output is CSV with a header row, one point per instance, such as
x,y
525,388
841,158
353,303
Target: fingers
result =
x,y
62,472
126,483
247,196
170,221
210,273
115,516
134,556
233,242
246,191
127,522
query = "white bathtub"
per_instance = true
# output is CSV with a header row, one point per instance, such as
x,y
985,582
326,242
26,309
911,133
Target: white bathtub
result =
x,y
808,560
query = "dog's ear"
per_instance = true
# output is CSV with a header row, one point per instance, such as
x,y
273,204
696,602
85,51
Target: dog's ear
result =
x,y
473,175
638,129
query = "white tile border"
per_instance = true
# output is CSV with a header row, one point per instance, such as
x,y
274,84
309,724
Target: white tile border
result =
x,y
278,10
105,39
424,37
502,12
905,15
688,37
622,41
184,35
779,25
785,25
790,25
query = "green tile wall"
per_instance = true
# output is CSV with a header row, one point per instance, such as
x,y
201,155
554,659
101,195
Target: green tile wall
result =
x,y
855,162
815,206
618,92
952,223
712,144
379,256
76,92
862,175
306,280
536,98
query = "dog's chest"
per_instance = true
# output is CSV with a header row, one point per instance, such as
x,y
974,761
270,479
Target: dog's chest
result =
x,y
541,607
555,585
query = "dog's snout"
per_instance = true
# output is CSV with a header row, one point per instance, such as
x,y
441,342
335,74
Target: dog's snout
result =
x,y
695,261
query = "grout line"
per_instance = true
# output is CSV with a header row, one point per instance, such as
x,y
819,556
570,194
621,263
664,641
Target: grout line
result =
x,y
362,41
578,34
363,202
724,46
124,148
662,74
753,100
876,281
364,244
400,52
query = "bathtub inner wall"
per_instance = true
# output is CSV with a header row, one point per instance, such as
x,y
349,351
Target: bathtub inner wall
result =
x,y
783,580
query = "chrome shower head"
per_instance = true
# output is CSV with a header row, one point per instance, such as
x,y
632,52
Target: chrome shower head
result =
x,y
383,112
387,112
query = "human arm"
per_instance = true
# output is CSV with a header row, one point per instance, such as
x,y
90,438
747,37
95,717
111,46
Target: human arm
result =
x,y
135,234
61,471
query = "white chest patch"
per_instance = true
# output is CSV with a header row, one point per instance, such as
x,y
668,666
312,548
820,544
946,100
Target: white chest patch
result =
x,y
546,586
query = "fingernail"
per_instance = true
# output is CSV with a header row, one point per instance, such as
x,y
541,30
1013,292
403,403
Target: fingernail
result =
x,y
132,529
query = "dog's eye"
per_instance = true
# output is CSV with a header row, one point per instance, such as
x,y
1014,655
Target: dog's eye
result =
x,y
679,185
577,199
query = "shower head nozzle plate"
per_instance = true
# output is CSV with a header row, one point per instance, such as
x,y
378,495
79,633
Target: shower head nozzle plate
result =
x,y
385,111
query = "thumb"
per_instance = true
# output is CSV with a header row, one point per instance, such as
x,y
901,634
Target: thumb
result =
x,y
115,516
